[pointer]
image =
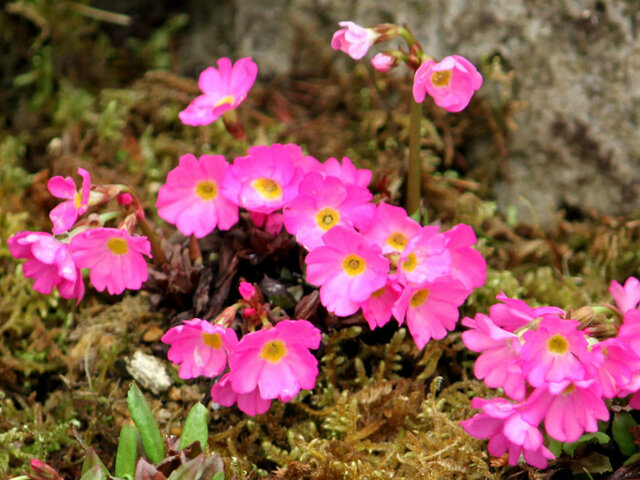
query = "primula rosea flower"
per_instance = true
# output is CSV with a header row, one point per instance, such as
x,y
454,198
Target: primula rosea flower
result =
x,y
467,264
223,88
324,203
276,361
626,297
383,62
555,352
264,180
114,257
512,313
247,290
426,257
191,198
378,308
49,263
353,39
250,403
199,347
392,228
346,172
430,308
348,269
450,82
619,362
65,214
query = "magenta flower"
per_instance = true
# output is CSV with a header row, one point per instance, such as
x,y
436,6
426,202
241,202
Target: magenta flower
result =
x,y
555,352
250,403
49,263
191,199
383,62
264,180
626,297
513,313
224,88
346,172
499,364
378,308
353,39
348,269
430,308
392,228
618,365
65,214
426,257
276,361
468,266
450,82
247,290
114,257
322,204
199,347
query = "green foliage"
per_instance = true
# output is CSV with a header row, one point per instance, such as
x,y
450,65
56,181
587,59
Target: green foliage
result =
x,y
621,430
127,452
147,426
195,427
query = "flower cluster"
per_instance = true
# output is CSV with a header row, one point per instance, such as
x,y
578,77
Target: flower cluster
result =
x,y
114,257
554,368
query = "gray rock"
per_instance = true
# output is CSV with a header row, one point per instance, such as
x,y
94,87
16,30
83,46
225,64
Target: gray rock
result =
x,y
149,372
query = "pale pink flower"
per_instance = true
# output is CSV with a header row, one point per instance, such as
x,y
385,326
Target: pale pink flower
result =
x,y
426,257
65,214
430,308
49,263
247,290
265,180
468,266
626,297
224,88
378,308
199,347
324,203
383,62
348,269
353,39
392,228
191,198
276,361
555,352
250,403
346,172
114,257
450,82
499,364
513,313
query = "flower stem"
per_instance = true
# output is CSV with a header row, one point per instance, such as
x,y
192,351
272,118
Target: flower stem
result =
x,y
414,172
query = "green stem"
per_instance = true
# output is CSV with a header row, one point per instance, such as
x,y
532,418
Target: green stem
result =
x,y
414,172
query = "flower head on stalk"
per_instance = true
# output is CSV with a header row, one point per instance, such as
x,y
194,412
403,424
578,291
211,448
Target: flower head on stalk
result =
x,y
65,214
353,39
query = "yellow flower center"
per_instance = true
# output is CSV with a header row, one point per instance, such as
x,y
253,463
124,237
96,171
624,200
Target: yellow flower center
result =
x,y
397,240
410,263
557,344
206,190
570,388
354,265
267,188
77,200
441,79
273,351
224,100
118,245
419,297
213,340
378,293
327,218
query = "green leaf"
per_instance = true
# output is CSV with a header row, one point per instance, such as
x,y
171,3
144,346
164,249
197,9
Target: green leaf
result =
x,y
145,421
620,428
195,427
127,453
92,460
555,446
218,476
97,472
600,437
594,463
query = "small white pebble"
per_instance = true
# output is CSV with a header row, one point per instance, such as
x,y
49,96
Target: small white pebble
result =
x,y
149,372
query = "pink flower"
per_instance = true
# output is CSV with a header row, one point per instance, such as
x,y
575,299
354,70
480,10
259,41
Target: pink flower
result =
x,y
272,223
276,361
224,88
626,297
392,228
430,308
426,257
450,82
555,352
467,264
191,198
618,364
199,347
322,204
346,172
513,313
353,39
65,214
383,62
250,403
348,269
264,180
49,263
499,364
378,308
247,290
114,257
